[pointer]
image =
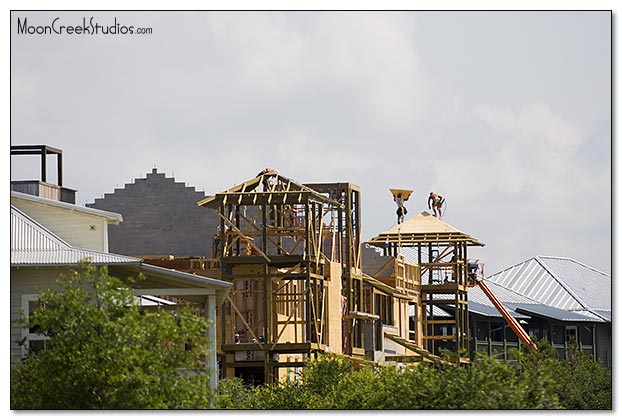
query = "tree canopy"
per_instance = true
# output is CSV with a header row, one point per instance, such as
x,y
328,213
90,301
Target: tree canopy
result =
x,y
538,382
105,352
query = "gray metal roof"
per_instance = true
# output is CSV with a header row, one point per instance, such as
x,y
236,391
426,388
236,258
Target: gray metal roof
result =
x,y
521,307
589,286
505,295
606,315
491,311
555,313
34,245
558,282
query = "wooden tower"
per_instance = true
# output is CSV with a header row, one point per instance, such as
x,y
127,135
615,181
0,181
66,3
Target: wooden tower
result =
x,y
343,247
290,252
441,252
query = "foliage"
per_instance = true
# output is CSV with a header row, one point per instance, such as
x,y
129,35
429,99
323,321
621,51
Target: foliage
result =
x,y
539,381
582,383
103,353
232,394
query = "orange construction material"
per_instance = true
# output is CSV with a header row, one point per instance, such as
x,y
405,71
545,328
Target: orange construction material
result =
x,y
512,322
405,193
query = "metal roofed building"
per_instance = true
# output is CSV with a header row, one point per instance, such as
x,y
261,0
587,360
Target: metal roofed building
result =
x,y
81,226
33,245
39,256
555,298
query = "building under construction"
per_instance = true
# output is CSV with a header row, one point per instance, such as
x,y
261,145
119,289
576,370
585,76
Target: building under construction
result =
x,y
440,253
304,282
295,257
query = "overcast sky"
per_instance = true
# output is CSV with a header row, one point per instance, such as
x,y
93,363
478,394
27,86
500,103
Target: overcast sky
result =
x,y
506,114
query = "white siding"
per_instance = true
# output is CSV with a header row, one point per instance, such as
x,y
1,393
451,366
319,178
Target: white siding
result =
x,y
78,229
26,281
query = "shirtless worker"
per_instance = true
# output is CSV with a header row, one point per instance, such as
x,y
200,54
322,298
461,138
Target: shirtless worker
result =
x,y
435,202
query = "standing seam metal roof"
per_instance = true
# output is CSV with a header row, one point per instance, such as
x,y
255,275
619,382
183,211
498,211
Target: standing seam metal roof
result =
x,y
522,307
558,282
34,245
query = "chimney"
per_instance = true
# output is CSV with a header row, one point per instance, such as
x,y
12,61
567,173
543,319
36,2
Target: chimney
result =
x,y
42,188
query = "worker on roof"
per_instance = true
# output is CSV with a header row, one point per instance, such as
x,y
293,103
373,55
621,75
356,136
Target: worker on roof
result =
x,y
435,202
268,171
401,210
266,182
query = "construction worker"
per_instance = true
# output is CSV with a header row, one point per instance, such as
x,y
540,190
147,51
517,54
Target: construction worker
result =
x,y
401,210
267,172
435,202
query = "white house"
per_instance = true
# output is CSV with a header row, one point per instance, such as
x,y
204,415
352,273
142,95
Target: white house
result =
x,y
49,236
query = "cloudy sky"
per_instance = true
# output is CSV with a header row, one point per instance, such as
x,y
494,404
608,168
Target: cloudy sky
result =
x,y
506,114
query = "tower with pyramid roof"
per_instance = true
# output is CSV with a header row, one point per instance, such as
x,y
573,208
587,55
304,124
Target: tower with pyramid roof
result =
x,y
441,251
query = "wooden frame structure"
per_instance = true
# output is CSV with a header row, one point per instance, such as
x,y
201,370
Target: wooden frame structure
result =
x,y
345,249
288,249
405,278
441,252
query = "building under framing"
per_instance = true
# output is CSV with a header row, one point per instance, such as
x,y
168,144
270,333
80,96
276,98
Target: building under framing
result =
x,y
440,250
293,255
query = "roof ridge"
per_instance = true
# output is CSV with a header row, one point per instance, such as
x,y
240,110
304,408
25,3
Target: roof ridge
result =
x,y
510,267
68,206
561,282
63,245
252,184
575,261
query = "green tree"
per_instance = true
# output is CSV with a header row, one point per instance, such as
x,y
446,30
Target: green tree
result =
x,y
581,383
232,394
539,381
103,353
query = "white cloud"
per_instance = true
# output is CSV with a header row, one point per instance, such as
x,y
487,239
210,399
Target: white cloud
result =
x,y
367,55
311,160
533,147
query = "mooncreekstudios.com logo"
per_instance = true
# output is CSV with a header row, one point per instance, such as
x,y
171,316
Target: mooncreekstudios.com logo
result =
x,y
88,27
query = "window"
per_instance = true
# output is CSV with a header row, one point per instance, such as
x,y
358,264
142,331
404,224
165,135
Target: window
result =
x,y
412,321
534,332
496,331
571,334
384,308
587,335
34,340
510,335
481,330
558,335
